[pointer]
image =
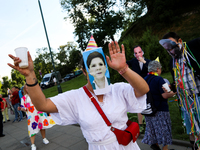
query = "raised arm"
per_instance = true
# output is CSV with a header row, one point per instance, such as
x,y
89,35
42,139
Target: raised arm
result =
x,y
37,97
117,61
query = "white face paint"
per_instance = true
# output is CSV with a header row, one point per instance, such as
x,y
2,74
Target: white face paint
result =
x,y
97,68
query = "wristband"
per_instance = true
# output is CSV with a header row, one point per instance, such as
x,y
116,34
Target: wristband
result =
x,y
31,85
123,70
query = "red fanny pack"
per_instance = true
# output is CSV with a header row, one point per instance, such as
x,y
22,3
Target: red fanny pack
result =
x,y
131,133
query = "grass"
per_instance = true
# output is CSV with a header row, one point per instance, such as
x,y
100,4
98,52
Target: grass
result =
x,y
178,130
74,83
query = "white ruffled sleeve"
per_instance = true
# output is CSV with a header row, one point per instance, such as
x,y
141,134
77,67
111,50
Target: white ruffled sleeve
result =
x,y
65,104
134,105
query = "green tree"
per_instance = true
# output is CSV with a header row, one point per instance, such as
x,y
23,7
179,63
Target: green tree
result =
x,y
69,57
0,88
43,62
159,12
17,78
6,84
74,58
95,17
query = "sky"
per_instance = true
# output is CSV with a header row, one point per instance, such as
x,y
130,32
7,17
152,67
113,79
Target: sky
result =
x,y
21,26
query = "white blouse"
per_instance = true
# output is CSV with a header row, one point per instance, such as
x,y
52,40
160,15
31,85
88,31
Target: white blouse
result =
x,y
75,107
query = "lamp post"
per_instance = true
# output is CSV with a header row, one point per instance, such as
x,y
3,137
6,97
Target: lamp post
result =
x,y
58,83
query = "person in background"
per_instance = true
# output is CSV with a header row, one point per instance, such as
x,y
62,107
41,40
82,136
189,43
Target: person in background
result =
x,y
54,80
20,93
37,120
9,92
139,64
158,127
5,112
2,102
185,70
15,100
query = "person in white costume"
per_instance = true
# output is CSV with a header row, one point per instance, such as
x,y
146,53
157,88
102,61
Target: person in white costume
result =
x,y
75,106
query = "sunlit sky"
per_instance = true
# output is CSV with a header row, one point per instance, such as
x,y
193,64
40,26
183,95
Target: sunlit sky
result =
x,y
21,26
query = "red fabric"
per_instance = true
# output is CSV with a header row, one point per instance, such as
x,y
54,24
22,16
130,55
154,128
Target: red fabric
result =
x,y
5,101
2,104
15,98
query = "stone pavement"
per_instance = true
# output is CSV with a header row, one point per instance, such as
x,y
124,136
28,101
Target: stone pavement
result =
x,y
60,137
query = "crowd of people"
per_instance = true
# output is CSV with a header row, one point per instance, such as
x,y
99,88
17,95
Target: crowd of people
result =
x,y
20,102
74,106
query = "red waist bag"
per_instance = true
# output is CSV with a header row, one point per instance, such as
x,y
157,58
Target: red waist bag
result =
x,y
123,137
129,134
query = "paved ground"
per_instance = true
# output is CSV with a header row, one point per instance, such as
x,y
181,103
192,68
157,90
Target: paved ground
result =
x,y
60,137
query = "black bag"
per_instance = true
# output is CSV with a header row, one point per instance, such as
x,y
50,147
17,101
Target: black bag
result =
x,y
151,109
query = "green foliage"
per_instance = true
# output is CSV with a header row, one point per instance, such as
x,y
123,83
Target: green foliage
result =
x,y
6,84
17,78
94,17
0,88
152,49
159,12
69,57
43,62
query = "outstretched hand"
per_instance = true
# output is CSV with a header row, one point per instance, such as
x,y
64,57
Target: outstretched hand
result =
x,y
23,71
117,60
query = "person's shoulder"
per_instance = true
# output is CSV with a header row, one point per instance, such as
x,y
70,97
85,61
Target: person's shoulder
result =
x,y
194,41
133,59
15,93
73,92
148,60
129,62
24,96
154,78
119,85
160,79
194,44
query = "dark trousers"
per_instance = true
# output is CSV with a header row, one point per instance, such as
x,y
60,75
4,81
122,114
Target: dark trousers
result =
x,y
1,123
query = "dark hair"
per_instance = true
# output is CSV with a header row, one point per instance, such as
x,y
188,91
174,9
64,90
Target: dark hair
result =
x,y
171,35
136,46
81,63
15,87
94,55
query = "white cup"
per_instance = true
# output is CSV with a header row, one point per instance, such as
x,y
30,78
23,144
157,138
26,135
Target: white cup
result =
x,y
166,86
21,52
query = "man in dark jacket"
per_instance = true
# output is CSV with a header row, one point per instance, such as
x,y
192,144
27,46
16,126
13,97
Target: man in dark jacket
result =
x,y
185,70
139,64
15,100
